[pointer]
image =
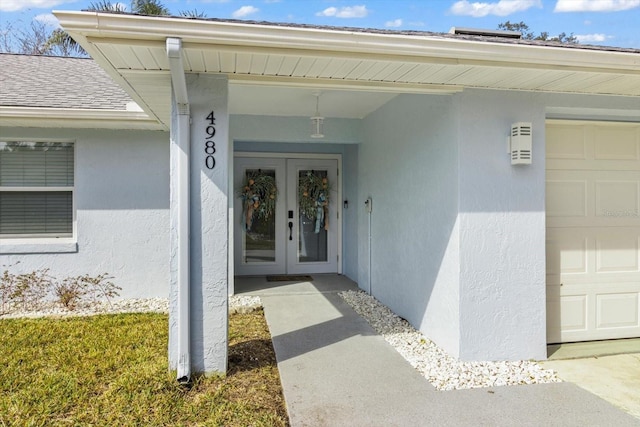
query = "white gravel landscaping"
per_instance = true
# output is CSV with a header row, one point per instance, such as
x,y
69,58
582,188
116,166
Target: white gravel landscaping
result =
x,y
440,369
237,304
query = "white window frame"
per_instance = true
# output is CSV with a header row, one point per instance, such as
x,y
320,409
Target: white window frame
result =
x,y
29,243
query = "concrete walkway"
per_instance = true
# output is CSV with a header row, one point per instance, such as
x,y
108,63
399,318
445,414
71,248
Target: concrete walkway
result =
x,y
336,371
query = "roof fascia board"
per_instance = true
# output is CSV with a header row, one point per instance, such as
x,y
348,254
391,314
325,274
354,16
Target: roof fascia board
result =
x,y
72,117
133,27
96,54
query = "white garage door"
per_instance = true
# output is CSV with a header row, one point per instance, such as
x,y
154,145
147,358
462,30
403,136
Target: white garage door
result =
x,y
593,231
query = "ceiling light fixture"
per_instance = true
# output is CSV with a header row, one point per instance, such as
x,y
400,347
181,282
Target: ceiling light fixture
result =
x,y
317,120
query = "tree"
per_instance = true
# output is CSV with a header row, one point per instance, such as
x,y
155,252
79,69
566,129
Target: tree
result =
x,y
149,7
60,40
527,34
37,38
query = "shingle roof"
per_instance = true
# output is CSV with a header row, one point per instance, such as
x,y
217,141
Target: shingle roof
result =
x,y
57,82
416,33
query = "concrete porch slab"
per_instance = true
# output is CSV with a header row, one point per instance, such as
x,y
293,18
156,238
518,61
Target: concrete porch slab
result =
x,y
337,371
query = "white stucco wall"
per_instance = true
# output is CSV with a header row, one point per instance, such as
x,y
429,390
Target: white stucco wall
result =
x,y
122,201
408,166
502,229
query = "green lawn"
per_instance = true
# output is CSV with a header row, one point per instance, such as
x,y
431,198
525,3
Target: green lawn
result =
x,y
112,370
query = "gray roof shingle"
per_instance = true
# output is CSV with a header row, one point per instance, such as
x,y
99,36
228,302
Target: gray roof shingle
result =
x,y
57,82
415,33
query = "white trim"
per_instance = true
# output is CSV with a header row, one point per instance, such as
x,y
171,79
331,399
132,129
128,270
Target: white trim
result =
x,y
354,85
594,122
75,117
592,114
40,245
337,157
360,44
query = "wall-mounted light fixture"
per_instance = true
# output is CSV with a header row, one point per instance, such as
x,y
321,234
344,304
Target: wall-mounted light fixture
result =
x,y
317,121
519,143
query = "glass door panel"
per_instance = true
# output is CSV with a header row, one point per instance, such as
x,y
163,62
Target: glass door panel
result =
x,y
313,215
313,197
259,246
259,240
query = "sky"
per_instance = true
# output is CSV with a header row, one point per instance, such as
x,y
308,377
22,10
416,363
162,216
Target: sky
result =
x,y
599,22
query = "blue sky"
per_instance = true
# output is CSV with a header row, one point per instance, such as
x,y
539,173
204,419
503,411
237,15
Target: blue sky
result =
x,y
601,22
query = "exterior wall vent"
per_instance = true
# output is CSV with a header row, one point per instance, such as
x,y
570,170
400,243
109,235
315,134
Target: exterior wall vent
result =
x,y
486,33
520,143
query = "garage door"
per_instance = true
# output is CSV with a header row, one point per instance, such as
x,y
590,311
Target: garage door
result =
x,y
593,231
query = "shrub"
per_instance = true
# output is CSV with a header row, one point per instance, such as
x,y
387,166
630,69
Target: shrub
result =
x,y
7,285
100,287
69,292
30,290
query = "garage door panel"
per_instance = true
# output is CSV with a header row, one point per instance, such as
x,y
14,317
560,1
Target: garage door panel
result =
x,y
593,231
613,143
566,315
570,143
617,199
567,253
617,310
617,252
567,198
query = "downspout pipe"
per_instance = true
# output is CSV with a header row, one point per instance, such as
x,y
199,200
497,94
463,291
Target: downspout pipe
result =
x,y
182,139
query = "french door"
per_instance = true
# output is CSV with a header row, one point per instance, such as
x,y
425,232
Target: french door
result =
x,y
287,216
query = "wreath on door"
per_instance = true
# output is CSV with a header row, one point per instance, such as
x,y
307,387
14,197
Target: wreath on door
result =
x,y
259,194
313,197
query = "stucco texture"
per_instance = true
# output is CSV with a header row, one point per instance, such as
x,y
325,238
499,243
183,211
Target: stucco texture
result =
x,y
122,218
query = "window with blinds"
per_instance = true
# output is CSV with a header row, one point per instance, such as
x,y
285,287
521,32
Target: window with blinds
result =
x,y
36,189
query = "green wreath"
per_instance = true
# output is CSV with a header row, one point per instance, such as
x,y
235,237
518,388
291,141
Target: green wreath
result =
x,y
259,194
313,198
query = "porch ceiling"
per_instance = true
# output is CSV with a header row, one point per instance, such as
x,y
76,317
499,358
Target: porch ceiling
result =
x,y
273,70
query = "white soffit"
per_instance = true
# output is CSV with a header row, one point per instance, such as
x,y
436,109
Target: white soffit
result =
x,y
131,49
288,101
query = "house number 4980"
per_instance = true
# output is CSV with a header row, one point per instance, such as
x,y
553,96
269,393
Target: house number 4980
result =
x,y
209,144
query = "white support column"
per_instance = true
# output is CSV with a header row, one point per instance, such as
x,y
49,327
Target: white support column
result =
x,y
199,157
209,221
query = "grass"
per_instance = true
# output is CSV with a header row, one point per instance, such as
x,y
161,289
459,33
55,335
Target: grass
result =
x,y
112,370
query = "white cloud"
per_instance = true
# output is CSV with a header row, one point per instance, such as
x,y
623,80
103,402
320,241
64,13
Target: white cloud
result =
x,y
500,8
394,24
47,19
595,5
17,5
593,38
245,11
345,12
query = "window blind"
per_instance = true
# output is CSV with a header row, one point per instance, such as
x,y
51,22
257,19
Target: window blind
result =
x,y
36,164
36,212
27,212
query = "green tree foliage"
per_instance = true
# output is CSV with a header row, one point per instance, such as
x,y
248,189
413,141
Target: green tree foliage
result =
x,y
149,7
39,38
527,34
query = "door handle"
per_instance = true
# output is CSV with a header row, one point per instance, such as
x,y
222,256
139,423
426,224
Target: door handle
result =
x,y
290,230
